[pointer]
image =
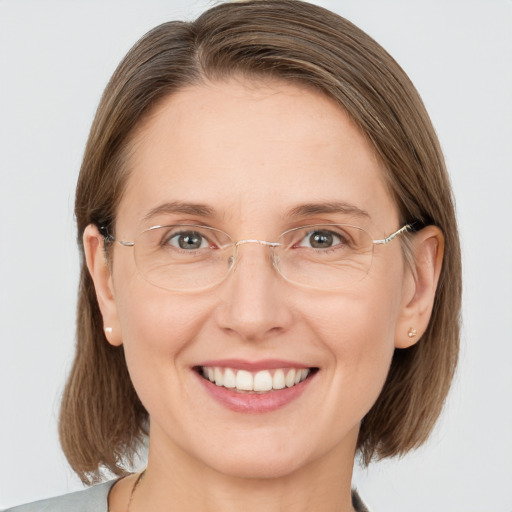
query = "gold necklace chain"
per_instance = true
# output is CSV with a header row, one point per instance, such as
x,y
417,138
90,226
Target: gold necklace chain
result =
x,y
135,485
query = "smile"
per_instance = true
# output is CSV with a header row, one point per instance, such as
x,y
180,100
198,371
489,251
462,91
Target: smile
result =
x,y
255,386
262,381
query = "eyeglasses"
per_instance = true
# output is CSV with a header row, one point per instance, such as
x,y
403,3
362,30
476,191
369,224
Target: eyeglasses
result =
x,y
190,257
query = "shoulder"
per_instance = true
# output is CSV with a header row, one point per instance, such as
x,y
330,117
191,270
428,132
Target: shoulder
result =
x,y
357,502
93,499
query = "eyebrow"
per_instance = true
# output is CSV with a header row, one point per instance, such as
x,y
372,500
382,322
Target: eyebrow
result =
x,y
201,210
305,210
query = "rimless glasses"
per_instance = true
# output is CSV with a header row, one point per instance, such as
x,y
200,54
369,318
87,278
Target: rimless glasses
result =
x,y
190,257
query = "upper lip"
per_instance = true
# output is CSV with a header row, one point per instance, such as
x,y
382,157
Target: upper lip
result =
x,y
253,366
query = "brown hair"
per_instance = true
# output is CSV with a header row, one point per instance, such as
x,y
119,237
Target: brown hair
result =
x,y
102,420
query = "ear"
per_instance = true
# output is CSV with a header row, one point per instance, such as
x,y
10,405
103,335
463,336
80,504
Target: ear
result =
x,y
422,276
99,268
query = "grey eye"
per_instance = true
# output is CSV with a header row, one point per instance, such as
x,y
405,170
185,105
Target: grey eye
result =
x,y
188,240
321,240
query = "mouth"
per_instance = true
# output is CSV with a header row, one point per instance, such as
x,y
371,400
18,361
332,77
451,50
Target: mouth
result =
x,y
263,381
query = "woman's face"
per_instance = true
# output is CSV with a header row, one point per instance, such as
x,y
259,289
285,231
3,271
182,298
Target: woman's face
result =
x,y
255,154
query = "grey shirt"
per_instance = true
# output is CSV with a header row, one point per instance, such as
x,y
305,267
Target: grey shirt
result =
x,y
95,499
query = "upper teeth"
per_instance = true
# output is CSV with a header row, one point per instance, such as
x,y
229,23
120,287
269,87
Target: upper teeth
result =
x,y
264,380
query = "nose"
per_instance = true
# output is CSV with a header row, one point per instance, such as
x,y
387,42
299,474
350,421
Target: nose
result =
x,y
255,304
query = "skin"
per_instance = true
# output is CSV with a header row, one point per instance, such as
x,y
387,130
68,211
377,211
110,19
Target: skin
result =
x,y
252,151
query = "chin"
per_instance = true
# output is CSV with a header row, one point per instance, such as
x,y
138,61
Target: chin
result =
x,y
260,467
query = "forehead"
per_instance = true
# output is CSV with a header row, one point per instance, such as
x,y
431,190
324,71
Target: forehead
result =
x,y
251,149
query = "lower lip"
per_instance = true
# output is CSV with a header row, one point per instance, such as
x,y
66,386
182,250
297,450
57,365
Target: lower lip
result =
x,y
256,403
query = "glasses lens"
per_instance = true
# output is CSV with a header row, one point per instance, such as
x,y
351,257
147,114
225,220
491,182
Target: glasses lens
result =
x,y
183,257
186,257
326,256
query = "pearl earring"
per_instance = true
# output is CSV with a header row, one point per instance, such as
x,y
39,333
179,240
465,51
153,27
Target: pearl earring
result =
x,y
412,333
108,330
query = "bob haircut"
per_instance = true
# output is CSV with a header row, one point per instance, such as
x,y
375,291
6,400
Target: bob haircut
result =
x,y
102,421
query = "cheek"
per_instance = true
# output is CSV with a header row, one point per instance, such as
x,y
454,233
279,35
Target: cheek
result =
x,y
151,319
360,322
361,339
358,332
160,323
156,326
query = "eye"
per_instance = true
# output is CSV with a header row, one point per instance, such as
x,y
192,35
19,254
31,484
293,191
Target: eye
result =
x,y
322,239
188,240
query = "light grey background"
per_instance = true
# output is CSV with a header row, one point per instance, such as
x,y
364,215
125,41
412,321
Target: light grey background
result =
x,y
55,59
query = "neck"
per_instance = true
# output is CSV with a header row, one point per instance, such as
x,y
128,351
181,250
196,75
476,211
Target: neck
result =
x,y
175,480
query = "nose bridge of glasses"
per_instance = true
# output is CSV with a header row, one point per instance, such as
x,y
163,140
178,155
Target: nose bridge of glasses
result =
x,y
261,242
272,245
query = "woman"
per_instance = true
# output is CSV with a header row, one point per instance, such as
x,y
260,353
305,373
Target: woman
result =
x,y
271,273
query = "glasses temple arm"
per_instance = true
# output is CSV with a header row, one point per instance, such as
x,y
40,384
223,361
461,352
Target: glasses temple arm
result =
x,y
403,229
109,238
